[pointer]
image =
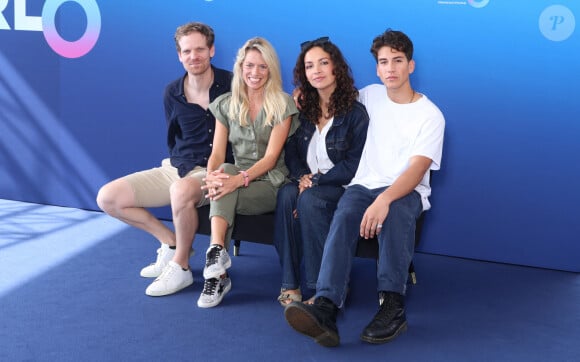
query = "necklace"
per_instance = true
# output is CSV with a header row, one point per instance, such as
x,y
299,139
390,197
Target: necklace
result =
x,y
412,97
326,115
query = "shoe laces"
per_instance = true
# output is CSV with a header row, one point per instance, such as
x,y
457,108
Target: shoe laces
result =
x,y
159,255
212,256
209,286
388,309
166,272
161,252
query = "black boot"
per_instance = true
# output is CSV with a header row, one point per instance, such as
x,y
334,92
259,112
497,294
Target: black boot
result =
x,y
389,321
317,321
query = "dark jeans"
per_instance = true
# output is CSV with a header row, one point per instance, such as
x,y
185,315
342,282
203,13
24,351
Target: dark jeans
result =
x,y
396,243
303,237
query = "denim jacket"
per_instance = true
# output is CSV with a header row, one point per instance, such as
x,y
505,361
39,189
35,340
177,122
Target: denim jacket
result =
x,y
344,144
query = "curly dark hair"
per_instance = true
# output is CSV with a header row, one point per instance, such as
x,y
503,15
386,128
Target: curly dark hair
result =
x,y
344,95
393,39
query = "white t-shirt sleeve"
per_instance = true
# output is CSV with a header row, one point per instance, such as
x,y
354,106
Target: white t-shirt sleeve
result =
x,y
429,141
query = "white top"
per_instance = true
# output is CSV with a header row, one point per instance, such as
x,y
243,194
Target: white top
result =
x,y
317,157
396,133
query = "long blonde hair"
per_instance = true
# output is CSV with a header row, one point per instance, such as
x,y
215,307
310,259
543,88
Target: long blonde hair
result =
x,y
274,103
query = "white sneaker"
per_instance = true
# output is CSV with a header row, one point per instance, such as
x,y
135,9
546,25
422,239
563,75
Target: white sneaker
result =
x,y
213,292
164,255
217,260
172,279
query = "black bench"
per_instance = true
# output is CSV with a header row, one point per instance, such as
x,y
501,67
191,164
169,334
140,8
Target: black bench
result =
x,y
260,229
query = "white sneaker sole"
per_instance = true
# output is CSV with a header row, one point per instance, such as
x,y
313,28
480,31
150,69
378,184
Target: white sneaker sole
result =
x,y
159,293
149,272
216,270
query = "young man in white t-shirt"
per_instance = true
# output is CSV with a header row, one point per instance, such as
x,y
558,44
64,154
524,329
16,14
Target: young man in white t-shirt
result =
x,y
384,199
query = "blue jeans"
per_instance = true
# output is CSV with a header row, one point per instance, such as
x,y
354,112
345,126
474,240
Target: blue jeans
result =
x,y
396,243
303,238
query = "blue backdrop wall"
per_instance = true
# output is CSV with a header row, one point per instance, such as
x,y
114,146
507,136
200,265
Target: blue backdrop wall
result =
x,y
81,87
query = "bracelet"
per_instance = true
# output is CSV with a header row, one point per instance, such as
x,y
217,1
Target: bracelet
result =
x,y
246,178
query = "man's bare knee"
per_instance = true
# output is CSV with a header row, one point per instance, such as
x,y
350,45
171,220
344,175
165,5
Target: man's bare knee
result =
x,y
113,197
104,200
185,192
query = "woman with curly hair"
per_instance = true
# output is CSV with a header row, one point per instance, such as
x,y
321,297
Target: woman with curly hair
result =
x,y
322,157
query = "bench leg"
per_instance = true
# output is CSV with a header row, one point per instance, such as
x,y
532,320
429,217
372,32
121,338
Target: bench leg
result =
x,y
412,274
236,247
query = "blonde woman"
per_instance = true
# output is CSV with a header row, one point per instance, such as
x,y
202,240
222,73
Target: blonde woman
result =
x,y
256,117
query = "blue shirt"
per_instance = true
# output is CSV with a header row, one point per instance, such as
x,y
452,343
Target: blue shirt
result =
x,y
190,127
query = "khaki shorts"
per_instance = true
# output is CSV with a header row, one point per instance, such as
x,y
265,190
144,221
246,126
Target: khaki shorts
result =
x,y
151,187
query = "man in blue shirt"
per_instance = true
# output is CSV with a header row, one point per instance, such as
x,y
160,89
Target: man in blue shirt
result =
x,y
178,180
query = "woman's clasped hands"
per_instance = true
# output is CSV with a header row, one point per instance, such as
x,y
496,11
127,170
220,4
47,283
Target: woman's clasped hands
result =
x,y
218,183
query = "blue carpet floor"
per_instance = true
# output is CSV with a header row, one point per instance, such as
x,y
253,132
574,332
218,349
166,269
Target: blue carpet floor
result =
x,y
70,291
